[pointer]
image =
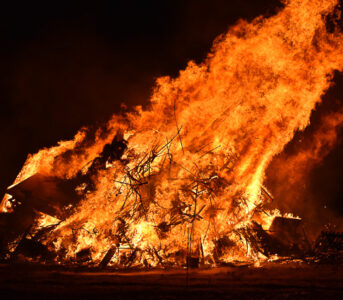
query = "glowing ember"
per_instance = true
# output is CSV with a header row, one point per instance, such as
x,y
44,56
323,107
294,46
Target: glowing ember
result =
x,y
184,177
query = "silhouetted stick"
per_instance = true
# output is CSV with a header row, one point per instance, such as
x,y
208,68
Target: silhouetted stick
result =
x,y
177,127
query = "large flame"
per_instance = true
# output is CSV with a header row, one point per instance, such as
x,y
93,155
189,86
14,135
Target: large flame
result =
x,y
193,169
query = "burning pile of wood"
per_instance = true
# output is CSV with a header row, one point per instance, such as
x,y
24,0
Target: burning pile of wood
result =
x,y
141,193
51,196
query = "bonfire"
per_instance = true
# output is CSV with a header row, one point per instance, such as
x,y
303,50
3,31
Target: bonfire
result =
x,y
181,182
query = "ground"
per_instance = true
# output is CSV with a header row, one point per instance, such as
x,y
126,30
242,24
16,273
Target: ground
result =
x,y
271,281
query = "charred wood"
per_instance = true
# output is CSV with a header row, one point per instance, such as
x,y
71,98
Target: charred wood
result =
x,y
33,249
47,194
107,258
84,256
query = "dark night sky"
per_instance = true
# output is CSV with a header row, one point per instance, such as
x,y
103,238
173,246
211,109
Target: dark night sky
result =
x,y
66,64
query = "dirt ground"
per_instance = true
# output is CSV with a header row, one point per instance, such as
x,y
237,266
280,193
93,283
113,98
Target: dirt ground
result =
x,y
271,281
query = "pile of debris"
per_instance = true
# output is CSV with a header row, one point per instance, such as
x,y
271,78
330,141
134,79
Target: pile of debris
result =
x,y
328,248
284,239
47,195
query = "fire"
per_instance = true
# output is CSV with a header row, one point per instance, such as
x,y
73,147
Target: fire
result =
x,y
185,176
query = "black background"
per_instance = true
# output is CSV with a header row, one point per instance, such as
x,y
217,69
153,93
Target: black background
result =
x,y
67,64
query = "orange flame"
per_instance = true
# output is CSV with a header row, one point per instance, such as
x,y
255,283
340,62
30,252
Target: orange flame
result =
x,y
195,161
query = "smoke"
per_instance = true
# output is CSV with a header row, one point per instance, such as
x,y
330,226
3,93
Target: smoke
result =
x,y
290,173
